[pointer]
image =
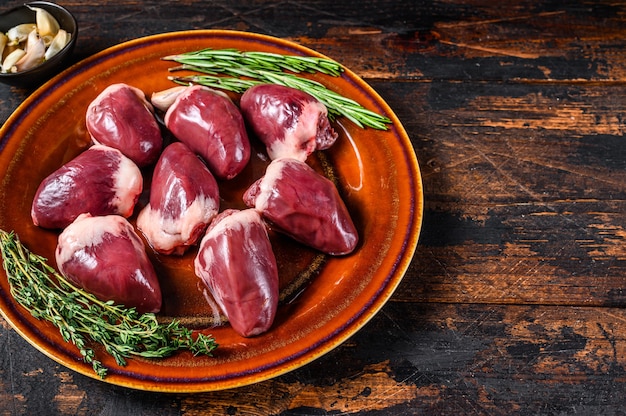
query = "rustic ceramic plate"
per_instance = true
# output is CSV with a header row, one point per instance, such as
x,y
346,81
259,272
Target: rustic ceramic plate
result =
x,y
325,299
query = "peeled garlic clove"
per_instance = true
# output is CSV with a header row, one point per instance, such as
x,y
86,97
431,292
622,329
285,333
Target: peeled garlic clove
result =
x,y
47,25
18,34
35,51
11,59
164,99
60,40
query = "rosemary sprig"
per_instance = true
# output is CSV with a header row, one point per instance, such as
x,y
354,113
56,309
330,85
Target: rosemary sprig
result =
x,y
81,317
236,71
221,59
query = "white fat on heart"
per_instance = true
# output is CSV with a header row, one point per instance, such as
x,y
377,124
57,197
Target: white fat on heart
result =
x,y
273,175
113,89
300,139
87,231
127,186
166,233
233,222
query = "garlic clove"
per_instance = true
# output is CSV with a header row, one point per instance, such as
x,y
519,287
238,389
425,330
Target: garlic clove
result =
x,y
7,50
164,99
18,34
35,51
47,25
60,40
9,62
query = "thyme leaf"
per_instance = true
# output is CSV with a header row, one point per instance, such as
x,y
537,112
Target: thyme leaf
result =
x,y
81,318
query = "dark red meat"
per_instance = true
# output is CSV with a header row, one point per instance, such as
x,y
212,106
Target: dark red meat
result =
x,y
304,205
184,197
122,117
237,264
104,256
99,181
291,123
212,126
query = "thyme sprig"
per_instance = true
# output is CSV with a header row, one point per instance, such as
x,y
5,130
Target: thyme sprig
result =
x,y
81,317
236,71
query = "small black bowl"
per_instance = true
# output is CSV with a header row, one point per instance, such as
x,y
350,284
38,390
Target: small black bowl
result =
x,y
36,76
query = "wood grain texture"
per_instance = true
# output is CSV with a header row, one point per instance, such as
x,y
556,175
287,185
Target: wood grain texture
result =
x,y
410,359
513,303
525,192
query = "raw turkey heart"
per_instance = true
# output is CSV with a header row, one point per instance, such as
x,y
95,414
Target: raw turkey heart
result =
x,y
99,181
305,205
291,123
184,197
237,264
122,117
105,256
212,126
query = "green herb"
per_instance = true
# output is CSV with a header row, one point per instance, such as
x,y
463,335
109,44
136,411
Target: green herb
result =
x,y
240,70
81,317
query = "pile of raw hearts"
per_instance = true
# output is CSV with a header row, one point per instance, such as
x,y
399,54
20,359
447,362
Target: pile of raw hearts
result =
x,y
91,197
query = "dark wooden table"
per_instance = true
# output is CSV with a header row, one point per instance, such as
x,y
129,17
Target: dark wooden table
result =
x,y
514,301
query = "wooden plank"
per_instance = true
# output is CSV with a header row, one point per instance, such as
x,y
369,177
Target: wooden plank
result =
x,y
384,39
524,188
410,359
481,40
473,41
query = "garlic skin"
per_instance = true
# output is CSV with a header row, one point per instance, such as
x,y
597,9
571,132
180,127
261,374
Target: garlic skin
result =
x,y
9,62
35,51
61,39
